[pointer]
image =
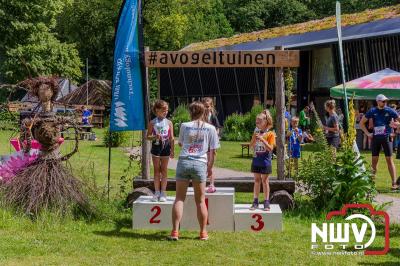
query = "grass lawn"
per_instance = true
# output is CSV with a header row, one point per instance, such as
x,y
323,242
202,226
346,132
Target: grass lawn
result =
x,y
230,156
108,240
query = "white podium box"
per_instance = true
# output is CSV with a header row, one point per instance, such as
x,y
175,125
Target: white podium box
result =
x,y
258,220
220,210
152,215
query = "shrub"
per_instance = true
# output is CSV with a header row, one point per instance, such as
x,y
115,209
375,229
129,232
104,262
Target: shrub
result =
x,y
115,139
353,181
239,127
235,128
333,182
179,116
251,121
316,174
8,120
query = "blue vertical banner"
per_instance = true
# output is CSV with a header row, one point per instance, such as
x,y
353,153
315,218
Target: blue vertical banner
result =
x,y
127,107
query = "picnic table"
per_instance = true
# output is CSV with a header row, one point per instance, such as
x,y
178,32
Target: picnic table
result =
x,y
85,132
245,146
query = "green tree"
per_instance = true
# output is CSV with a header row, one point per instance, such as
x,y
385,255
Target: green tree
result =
x,y
28,44
172,24
91,25
324,8
246,16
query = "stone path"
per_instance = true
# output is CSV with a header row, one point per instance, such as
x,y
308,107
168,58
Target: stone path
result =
x,y
219,172
393,210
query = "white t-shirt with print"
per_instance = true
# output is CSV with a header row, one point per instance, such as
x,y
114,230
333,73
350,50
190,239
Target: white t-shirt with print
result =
x,y
196,138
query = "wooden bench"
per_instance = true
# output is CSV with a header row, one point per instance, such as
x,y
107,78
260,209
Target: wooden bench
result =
x,y
245,146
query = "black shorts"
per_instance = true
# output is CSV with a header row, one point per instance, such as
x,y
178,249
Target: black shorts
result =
x,y
265,170
161,150
333,141
385,143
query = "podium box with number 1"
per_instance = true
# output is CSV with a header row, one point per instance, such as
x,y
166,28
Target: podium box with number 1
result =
x,y
220,210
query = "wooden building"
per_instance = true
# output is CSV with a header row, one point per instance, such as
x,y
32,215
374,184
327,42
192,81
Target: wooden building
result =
x,y
371,43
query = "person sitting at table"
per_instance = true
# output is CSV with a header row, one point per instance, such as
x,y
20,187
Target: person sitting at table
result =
x,y
86,116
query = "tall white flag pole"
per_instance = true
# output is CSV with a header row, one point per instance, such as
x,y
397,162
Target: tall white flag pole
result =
x,y
339,33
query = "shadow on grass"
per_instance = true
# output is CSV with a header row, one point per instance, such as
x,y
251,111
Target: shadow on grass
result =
x,y
126,223
250,157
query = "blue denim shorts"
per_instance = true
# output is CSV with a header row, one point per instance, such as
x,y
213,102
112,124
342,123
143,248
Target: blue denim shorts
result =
x,y
194,170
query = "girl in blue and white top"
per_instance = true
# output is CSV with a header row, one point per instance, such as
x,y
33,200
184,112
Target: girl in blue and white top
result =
x,y
161,133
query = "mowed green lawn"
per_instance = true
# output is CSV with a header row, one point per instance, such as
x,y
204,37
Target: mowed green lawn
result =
x,y
109,240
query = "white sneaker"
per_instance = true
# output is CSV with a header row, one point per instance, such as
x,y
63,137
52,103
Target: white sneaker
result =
x,y
163,198
156,196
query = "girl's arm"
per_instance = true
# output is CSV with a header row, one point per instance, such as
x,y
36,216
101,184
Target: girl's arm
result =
x,y
300,137
333,129
253,141
172,139
150,135
269,146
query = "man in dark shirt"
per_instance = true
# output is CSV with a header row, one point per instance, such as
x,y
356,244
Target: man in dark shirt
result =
x,y
382,117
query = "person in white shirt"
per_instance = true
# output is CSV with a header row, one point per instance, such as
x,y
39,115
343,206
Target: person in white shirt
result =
x,y
196,138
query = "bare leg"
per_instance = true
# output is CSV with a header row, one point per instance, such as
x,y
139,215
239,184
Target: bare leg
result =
x,y
375,160
296,165
391,168
199,197
156,165
177,208
164,173
257,185
212,176
265,183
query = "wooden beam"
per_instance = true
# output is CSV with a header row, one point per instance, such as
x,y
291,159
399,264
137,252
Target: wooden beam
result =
x,y
280,119
166,59
266,87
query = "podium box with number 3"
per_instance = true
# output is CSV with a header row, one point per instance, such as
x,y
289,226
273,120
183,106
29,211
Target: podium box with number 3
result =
x,y
152,215
258,220
220,210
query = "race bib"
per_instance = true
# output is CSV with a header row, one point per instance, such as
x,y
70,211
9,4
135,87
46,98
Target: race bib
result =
x,y
195,148
259,147
163,131
379,131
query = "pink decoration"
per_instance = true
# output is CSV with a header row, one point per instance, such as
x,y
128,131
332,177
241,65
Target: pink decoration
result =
x,y
15,163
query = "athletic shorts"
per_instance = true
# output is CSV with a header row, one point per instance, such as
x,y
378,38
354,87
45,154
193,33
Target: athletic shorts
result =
x,y
378,143
333,141
161,150
265,170
295,153
189,169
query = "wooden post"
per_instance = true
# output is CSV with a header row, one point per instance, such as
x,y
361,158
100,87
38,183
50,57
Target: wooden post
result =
x,y
145,142
158,84
280,119
265,88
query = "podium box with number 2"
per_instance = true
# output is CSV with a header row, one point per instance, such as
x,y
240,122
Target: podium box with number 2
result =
x,y
223,214
152,215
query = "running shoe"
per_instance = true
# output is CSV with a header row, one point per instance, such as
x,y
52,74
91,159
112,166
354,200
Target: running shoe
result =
x,y
163,198
156,196
174,236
